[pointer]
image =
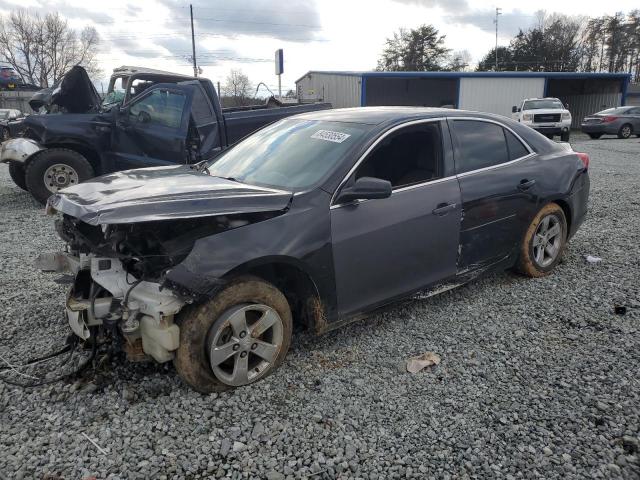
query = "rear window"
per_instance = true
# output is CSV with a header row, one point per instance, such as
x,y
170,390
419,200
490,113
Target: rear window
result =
x,y
614,111
516,148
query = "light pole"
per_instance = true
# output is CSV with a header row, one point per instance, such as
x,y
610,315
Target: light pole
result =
x,y
498,10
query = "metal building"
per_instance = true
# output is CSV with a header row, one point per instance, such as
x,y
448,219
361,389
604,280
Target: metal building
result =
x,y
494,92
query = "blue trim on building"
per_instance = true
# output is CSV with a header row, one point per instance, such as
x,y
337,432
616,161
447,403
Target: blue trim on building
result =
x,y
363,91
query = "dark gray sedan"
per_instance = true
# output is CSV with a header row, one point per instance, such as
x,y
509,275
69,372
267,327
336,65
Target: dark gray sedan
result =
x,y
317,219
620,121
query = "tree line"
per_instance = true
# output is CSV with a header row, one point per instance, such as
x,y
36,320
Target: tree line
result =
x,y
558,43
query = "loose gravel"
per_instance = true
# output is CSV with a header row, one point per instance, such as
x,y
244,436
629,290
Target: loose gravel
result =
x,y
538,379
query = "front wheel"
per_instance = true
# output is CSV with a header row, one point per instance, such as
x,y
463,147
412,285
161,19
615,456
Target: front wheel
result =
x,y
595,136
625,131
237,338
543,242
564,136
54,169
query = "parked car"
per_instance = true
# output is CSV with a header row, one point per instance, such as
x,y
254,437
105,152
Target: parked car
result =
x,y
7,117
159,118
546,115
317,219
9,78
620,121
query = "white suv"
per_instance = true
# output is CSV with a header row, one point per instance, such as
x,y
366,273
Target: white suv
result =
x,y
546,115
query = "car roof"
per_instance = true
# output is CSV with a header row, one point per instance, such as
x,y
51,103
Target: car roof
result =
x,y
380,115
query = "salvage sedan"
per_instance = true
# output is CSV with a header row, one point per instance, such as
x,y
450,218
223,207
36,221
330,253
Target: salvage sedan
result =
x,y
317,219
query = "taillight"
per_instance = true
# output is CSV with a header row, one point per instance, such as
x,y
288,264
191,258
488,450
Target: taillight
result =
x,y
585,159
609,118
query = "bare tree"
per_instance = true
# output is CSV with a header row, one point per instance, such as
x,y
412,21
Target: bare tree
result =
x,y
42,49
237,87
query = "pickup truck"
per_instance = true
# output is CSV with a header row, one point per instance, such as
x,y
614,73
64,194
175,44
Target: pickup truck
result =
x,y
148,118
546,115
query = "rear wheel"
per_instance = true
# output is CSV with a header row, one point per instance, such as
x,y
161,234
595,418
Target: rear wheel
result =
x,y
237,338
54,169
16,171
625,131
543,242
595,136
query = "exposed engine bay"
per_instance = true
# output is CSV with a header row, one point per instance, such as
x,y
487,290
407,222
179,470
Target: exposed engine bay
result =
x,y
117,276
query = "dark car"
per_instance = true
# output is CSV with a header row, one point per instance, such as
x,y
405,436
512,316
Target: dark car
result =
x,y
154,118
8,118
620,121
317,219
9,78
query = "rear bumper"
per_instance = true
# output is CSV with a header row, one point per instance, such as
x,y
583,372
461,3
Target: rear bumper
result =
x,y
599,128
579,201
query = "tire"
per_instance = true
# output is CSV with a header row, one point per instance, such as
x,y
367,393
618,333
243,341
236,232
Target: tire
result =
x,y
206,327
625,131
71,166
6,135
531,264
564,137
595,136
16,171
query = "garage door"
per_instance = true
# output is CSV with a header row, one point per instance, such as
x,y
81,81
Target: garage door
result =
x,y
498,95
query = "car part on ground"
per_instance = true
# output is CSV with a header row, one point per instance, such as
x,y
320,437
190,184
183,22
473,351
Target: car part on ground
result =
x,y
161,256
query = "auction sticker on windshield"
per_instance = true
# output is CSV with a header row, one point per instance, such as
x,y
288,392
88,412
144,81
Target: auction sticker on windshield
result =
x,y
337,137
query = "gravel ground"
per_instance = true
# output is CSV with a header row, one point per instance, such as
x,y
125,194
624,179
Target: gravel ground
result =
x,y
539,378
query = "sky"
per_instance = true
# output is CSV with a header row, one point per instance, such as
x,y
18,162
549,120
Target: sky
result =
x,y
315,34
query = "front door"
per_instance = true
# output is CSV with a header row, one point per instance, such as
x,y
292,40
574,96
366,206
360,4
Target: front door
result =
x,y
499,181
386,248
152,129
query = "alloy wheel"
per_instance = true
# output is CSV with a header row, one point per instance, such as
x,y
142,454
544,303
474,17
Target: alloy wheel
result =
x,y
243,344
547,241
625,131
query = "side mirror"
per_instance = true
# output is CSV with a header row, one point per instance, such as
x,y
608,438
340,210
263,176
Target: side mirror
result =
x,y
514,109
365,188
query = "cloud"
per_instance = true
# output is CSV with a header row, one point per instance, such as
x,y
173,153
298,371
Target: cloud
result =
x,y
509,23
299,21
446,5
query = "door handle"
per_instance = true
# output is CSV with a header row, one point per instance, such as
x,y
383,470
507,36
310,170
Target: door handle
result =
x,y
443,209
526,184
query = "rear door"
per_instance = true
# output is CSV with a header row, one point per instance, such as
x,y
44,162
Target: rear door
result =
x,y
385,248
499,184
152,129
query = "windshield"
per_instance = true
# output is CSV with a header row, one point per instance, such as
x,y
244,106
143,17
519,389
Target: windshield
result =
x,y
290,154
539,104
614,111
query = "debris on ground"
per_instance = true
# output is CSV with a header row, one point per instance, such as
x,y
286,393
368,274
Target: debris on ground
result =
x,y
620,309
592,259
427,359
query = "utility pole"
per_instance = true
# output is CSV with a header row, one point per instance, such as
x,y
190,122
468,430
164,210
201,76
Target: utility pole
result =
x,y
498,10
193,44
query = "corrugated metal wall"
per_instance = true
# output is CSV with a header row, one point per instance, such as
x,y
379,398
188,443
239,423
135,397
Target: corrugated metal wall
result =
x,y
497,95
17,100
339,90
582,105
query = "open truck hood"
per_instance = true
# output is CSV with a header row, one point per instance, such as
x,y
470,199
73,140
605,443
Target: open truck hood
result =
x,y
74,93
163,193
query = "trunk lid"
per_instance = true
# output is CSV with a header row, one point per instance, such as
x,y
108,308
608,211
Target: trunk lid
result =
x,y
163,193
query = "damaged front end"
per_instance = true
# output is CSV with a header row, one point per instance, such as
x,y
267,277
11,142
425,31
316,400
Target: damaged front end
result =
x,y
118,278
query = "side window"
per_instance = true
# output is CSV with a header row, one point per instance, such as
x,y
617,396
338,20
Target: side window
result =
x,y
406,157
200,108
516,148
160,107
479,145
634,111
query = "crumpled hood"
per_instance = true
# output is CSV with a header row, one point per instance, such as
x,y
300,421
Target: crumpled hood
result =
x,y
163,193
74,93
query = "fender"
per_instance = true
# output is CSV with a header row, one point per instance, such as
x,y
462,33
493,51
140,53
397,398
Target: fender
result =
x,y
19,150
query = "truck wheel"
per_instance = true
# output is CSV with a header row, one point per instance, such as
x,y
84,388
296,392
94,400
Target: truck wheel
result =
x,y
6,135
54,169
543,242
595,136
237,338
16,171
625,131
564,136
